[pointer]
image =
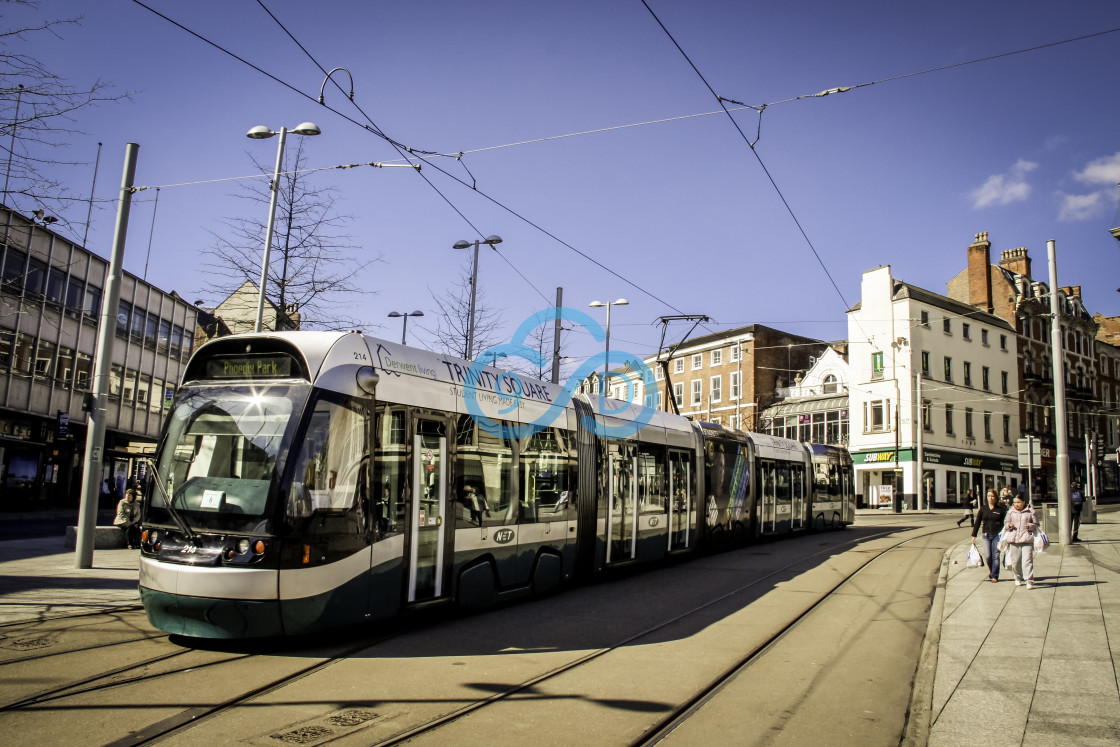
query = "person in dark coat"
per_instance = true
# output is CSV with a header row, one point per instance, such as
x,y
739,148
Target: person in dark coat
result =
x,y
989,520
969,505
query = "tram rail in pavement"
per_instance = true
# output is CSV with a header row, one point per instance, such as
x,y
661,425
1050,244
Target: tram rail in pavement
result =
x,y
1000,663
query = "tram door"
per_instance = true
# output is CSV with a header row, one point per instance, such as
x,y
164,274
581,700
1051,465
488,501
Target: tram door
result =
x,y
797,485
680,500
621,500
429,509
768,521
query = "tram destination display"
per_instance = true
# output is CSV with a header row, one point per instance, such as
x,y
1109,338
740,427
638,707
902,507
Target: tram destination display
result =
x,y
249,367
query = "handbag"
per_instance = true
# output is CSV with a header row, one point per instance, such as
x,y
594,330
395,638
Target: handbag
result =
x,y
1041,541
974,559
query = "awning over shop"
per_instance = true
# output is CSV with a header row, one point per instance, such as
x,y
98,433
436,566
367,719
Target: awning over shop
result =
x,y
802,406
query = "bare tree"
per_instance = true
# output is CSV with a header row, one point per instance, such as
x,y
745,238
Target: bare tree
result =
x,y
311,271
452,320
38,116
540,341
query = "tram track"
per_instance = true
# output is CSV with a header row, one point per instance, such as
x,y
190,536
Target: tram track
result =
x,y
181,726
665,726
682,711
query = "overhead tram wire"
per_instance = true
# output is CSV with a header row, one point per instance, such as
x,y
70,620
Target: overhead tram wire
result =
x,y
419,154
474,188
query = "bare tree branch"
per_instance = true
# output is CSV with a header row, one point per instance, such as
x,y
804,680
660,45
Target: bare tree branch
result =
x,y
38,117
313,267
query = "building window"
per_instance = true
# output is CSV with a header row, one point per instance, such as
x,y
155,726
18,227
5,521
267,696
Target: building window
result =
x,y
876,415
736,422
659,405
925,363
968,423
987,426
697,392
697,361
717,357
678,393
876,365
658,373
44,359
967,373
1007,429
734,385
948,368
949,419
984,378
830,385
947,325
124,314
927,416
735,352
984,337
925,319
716,388
1003,381
965,333
1003,342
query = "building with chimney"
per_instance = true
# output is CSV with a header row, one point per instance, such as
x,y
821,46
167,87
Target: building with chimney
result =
x,y
1008,290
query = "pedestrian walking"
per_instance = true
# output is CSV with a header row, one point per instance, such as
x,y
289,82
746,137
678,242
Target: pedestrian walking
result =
x,y
1018,534
969,505
1075,511
1005,498
990,520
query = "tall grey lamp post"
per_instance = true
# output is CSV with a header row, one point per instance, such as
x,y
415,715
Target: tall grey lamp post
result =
x,y
607,360
404,315
492,241
261,132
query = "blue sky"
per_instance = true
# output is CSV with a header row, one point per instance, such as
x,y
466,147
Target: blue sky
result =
x,y
902,172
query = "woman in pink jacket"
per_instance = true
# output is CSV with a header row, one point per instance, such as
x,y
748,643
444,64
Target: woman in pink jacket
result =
x,y
1018,533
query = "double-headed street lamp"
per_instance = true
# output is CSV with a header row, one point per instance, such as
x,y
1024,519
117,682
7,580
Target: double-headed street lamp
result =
x,y
404,315
492,241
262,133
607,361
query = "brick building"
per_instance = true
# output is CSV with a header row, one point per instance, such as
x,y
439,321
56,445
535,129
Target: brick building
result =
x,y
728,377
1009,291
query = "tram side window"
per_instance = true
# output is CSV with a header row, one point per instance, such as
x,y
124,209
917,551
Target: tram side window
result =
x,y
329,479
389,458
484,478
782,483
651,481
544,474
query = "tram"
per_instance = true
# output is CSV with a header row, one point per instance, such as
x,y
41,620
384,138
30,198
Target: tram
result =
x,y
312,480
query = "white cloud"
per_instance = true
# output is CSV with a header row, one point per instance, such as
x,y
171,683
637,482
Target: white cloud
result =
x,y
1002,189
1104,170
1080,207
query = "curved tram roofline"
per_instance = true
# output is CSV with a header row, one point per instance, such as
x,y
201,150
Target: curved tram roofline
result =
x,y
311,480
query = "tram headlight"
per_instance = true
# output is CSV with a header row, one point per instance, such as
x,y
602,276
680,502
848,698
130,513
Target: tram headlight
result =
x,y
243,546
258,547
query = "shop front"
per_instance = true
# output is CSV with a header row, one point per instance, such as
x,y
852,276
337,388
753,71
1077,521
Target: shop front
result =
x,y
947,477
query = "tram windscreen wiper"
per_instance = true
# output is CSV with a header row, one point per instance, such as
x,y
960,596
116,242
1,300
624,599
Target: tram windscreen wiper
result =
x,y
184,527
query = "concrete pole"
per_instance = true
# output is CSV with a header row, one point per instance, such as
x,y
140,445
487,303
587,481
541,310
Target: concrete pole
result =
x,y
106,334
1061,477
474,292
921,441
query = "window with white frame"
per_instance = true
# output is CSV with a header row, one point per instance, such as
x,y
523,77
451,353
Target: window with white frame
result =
x,y
717,357
697,361
678,365
717,388
735,352
876,415
734,385
678,393
736,422
697,391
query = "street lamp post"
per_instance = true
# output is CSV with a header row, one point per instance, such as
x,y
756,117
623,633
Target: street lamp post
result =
x,y
262,133
607,360
492,241
404,315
